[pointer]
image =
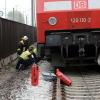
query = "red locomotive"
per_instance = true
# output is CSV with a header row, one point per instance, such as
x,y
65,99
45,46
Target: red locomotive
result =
x,y
70,26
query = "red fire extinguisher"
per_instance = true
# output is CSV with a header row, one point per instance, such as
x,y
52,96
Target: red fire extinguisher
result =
x,y
35,75
63,78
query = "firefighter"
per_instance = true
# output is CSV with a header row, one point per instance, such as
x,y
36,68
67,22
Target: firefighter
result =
x,y
26,59
23,45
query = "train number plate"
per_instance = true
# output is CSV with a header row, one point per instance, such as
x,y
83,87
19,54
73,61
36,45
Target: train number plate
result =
x,y
80,20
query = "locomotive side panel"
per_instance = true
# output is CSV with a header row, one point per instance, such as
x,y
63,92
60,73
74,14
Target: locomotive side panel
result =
x,y
68,21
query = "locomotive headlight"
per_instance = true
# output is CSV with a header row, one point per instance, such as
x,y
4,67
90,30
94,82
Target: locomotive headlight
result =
x,y
52,21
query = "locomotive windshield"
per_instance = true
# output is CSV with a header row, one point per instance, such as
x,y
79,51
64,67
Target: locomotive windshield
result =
x,y
57,5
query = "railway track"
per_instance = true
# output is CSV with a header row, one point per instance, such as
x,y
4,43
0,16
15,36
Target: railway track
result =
x,y
58,91
85,86
85,83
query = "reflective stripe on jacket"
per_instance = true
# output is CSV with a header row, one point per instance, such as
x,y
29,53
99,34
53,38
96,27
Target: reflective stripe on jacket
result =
x,y
35,50
18,49
25,55
22,42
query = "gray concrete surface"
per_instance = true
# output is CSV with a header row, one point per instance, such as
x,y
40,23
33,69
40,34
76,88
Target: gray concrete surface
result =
x,y
17,85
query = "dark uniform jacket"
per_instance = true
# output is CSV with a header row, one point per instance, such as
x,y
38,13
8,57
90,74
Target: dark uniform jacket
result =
x,y
22,46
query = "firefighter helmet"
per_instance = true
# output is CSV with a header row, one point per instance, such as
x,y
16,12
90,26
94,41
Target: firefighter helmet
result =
x,y
25,38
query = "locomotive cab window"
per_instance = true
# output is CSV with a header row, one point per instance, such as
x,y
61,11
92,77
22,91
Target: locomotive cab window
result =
x,y
71,5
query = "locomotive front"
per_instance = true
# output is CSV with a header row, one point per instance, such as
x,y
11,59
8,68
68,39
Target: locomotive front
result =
x,y
70,26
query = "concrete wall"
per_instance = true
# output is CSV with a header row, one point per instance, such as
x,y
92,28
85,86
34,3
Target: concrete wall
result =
x,y
8,60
